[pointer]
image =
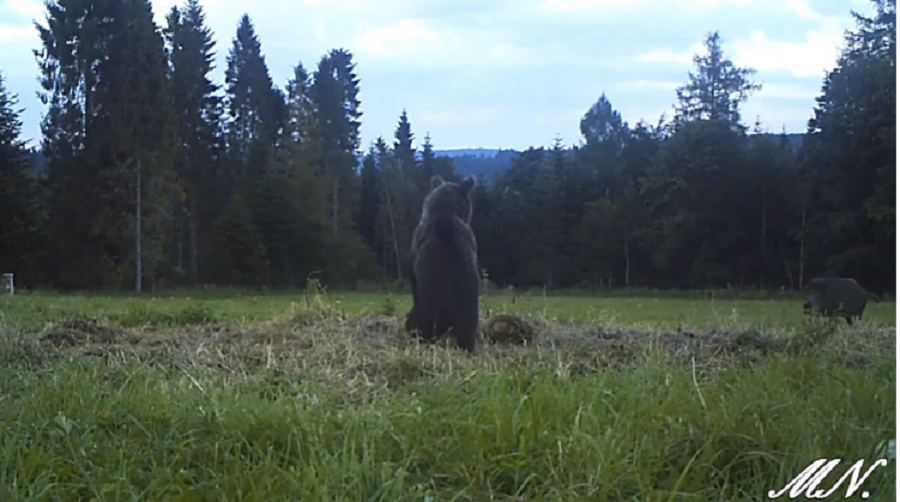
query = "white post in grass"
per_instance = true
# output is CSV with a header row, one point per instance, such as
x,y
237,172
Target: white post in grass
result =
x,y
7,283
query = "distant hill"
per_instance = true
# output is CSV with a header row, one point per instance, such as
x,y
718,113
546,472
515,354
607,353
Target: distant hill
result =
x,y
480,161
475,161
460,152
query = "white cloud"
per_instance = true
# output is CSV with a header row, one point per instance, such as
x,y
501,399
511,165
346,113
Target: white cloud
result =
x,y
319,29
862,6
581,6
466,116
667,55
499,51
17,33
507,54
361,8
802,9
341,5
431,9
787,91
571,115
810,58
405,37
29,8
161,8
649,84
420,42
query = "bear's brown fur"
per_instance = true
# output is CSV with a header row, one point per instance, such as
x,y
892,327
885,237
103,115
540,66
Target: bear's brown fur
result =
x,y
444,273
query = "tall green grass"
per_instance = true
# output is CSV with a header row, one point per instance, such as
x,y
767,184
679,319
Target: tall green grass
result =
x,y
89,430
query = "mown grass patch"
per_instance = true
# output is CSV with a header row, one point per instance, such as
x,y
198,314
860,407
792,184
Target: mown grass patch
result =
x,y
305,398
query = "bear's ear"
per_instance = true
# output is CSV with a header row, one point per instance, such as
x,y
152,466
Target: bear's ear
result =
x,y
436,181
468,184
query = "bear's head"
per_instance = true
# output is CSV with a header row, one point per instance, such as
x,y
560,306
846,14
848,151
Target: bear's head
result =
x,y
447,197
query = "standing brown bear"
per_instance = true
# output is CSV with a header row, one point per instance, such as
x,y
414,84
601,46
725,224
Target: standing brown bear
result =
x,y
444,276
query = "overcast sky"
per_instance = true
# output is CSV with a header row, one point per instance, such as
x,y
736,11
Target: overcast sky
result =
x,y
508,73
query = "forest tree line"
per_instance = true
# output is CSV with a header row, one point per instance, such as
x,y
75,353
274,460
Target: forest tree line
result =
x,y
156,176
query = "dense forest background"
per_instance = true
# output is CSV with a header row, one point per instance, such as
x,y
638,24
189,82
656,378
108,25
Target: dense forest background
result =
x,y
150,175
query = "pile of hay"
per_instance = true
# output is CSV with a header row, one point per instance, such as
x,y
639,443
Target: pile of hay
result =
x,y
508,329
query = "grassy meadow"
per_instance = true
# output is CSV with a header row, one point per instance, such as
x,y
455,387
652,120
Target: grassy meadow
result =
x,y
230,395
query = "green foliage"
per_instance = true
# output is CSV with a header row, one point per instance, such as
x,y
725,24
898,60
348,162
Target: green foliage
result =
x,y
241,252
348,260
849,160
596,237
389,307
695,190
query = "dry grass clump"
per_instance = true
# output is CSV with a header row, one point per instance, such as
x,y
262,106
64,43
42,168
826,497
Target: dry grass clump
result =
x,y
510,329
77,330
312,310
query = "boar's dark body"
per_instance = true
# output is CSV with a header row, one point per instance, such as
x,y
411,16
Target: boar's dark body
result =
x,y
832,296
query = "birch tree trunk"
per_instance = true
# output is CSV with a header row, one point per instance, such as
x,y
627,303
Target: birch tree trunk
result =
x,y
387,195
138,269
762,240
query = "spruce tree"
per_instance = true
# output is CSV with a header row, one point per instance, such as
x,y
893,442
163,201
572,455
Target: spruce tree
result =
x,y
191,57
717,89
17,194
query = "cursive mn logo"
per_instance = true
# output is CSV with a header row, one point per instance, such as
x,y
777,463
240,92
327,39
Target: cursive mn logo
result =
x,y
810,478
